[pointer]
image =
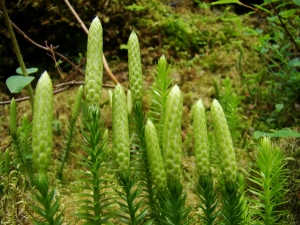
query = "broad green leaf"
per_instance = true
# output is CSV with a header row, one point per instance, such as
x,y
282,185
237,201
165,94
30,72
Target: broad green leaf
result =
x,y
16,83
297,2
225,2
29,70
280,133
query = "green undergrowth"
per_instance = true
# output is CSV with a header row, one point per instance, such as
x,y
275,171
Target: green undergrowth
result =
x,y
210,53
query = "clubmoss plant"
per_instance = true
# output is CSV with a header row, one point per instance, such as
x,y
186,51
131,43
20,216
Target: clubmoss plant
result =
x,y
20,149
172,201
95,201
139,155
131,206
232,210
94,64
22,142
230,103
47,202
160,90
135,67
206,191
64,154
270,179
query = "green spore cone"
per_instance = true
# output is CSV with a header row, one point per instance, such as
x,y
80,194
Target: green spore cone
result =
x,y
135,67
42,124
172,143
94,64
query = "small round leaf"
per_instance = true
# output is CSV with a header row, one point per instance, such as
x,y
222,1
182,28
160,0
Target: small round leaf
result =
x,y
16,83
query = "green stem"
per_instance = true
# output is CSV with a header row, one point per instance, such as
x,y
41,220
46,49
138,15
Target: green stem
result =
x,y
96,195
17,50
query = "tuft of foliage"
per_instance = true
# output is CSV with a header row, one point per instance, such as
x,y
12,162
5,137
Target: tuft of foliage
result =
x,y
232,209
270,178
22,142
160,90
208,198
46,203
94,199
172,205
230,102
133,214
